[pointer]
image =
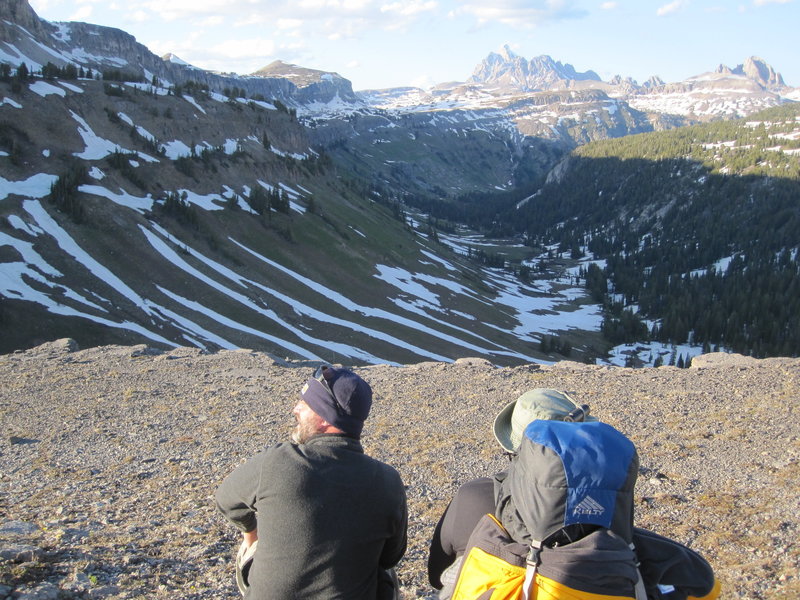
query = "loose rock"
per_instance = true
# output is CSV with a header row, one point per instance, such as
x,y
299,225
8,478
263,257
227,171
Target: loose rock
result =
x,y
111,457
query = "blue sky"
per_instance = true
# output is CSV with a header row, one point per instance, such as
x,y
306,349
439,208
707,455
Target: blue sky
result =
x,y
390,43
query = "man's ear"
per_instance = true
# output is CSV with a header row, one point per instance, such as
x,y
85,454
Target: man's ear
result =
x,y
325,427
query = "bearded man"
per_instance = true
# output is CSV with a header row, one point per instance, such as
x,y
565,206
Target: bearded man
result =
x,y
320,518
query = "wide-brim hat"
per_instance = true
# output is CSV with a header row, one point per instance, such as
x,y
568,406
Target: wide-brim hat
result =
x,y
538,403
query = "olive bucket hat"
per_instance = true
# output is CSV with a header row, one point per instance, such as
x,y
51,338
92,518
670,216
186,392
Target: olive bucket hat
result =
x,y
538,403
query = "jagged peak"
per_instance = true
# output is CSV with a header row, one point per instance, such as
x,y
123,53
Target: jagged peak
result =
x,y
541,72
757,69
507,53
723,70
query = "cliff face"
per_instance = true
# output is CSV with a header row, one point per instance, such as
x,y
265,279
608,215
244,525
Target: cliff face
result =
x,y
21,13
114,453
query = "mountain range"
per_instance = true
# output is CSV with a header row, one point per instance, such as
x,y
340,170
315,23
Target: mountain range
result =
x,y
146,199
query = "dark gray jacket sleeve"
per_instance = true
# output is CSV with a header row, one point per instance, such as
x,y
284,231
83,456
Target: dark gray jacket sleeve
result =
x,y
395,546
237,494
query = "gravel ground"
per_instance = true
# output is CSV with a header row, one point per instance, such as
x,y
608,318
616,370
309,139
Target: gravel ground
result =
x,y
110,456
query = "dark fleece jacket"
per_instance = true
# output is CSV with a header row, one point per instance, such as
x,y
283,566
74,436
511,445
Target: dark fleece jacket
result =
x,y
329,518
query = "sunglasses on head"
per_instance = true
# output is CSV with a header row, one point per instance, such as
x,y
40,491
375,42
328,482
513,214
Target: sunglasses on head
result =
x,y
319,375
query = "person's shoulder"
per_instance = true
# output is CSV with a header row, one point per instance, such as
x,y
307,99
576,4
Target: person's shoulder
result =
x,y
274,451
384,466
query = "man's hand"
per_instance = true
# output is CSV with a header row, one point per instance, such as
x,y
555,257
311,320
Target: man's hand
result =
x,y
250,537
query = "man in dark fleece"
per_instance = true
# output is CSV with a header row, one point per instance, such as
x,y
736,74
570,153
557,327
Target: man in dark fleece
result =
x,y
327,520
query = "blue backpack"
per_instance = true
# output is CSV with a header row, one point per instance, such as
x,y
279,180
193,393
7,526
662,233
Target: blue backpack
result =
x,y
563,527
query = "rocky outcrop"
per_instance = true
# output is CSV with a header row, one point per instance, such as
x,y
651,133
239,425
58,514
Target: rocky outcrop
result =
x,y
21,13
757,69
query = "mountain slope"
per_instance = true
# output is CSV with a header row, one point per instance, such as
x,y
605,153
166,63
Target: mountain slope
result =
x,y
130,213
27,38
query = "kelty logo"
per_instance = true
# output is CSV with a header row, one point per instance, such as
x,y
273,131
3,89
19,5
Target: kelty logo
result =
x,y
588,506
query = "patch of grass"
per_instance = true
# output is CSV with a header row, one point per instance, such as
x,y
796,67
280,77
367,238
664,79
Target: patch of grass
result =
x,y
20,574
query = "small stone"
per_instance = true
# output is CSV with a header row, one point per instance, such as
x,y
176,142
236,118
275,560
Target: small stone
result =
x,y
43,591
16,440
20,553
18,528
103,591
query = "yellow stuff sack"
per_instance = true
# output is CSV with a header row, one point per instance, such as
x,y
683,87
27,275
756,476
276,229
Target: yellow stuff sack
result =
x,y
493,566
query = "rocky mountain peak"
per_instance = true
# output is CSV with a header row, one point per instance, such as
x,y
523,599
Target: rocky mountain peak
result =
x,y
653,82
169,57
507,54
758,70
312,84
18,20
300,76
506,69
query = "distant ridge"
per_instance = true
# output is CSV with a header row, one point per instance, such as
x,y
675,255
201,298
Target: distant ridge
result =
x,y
540,73
313,85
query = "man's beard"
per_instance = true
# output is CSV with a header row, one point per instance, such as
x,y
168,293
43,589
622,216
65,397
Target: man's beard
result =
x,y
303,431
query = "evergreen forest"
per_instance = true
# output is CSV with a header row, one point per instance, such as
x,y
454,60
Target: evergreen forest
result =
x,y
697,229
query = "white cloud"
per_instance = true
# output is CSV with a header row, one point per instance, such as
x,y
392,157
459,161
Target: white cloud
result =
x,y
519,13
670,8
42,6
423,82
609,5
285,24
138,16
182,9
254,19
408,9
212,21
241,49
354,5
82,14
764,2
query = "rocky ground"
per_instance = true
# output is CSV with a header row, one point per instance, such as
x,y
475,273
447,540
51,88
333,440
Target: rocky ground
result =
x,y
109,458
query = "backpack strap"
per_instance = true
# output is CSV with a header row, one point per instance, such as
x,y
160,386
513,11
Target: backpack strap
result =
x,y
641,592
532,563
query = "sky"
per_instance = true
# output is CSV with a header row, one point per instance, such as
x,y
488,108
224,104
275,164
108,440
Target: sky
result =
x,y
394,43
